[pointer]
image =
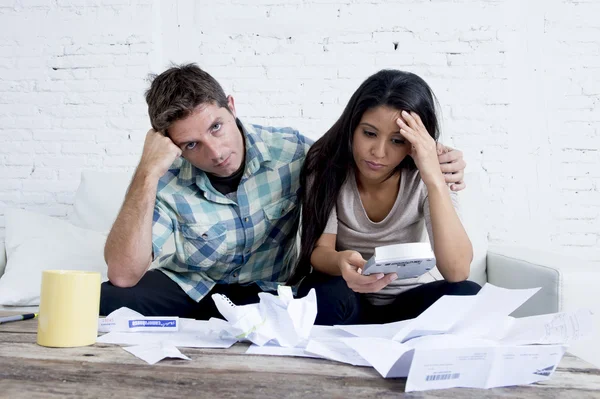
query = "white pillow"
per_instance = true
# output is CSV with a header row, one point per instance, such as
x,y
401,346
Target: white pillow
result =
x,y
37,242
98,199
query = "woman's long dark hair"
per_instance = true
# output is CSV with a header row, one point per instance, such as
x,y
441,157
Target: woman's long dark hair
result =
x,y
329,161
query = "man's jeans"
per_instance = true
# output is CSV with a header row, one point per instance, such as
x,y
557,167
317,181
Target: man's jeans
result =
x,y
157,295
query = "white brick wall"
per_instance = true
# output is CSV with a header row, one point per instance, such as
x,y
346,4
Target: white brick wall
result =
x,y
517,81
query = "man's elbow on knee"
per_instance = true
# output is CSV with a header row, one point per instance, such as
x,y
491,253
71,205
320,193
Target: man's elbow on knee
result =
x,y
120,280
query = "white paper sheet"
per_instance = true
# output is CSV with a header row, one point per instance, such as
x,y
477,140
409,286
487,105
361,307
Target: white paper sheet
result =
x,y
469,342
317,332
127,320
335,349
328,332
555,328
192,334
108,323
482,367
441,352
491,305
153,353
180,339
387,330
474,316
389,358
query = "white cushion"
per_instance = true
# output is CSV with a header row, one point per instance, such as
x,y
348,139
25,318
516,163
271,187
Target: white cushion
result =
x,y
37,242
98,199
472,206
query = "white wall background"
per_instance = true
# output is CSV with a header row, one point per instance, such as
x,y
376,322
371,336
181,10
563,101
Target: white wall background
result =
x,y
518,80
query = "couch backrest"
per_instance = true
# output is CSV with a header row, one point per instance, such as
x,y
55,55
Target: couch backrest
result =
x,y
99,199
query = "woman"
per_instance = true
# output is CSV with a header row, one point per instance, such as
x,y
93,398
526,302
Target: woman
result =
x,y
374,179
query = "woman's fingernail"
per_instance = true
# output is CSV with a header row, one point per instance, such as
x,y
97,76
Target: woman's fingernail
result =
x,y
394,277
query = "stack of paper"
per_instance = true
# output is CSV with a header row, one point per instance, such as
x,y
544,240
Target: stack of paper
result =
x,y
279,320
460,341
152,345
469,341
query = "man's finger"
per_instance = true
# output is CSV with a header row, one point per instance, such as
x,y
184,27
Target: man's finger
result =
x,y
450,156
461,185
439,148
453,178
453,167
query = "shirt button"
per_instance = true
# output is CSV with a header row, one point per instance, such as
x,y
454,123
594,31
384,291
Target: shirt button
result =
x,y
205,236
246,220
235,274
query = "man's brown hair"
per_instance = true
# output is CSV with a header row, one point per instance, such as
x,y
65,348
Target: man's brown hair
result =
x,y
175,93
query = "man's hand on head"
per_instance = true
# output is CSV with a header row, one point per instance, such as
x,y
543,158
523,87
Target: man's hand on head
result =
x,y
453,166
158,155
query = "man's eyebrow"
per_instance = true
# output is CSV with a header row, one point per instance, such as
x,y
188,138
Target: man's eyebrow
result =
x,y
183,142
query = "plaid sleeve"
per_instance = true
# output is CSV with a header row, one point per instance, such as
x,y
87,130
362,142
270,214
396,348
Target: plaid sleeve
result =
x,y
305,141
162,228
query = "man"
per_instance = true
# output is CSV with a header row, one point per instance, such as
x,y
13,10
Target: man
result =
x,y
226,192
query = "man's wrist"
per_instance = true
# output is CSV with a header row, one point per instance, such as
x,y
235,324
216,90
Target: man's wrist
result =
x,y
146,175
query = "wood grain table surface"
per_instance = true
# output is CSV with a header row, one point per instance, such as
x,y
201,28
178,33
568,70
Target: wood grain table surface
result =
x,y
107,371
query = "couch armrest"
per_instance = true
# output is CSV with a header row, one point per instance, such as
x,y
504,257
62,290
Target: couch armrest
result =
x,y
567,283
2,258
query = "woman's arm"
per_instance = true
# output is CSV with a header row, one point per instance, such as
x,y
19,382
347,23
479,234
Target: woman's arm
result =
x,y
324,257
451,245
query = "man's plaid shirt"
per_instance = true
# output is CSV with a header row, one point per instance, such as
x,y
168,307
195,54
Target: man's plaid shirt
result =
x,y
220,241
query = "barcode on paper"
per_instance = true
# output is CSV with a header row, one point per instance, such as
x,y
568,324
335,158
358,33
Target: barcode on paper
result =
x,y
442,377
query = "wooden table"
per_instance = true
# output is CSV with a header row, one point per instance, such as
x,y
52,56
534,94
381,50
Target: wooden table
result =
x,y
100,371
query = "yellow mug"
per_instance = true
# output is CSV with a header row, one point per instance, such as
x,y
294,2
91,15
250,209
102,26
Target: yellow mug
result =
x,y
69,308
